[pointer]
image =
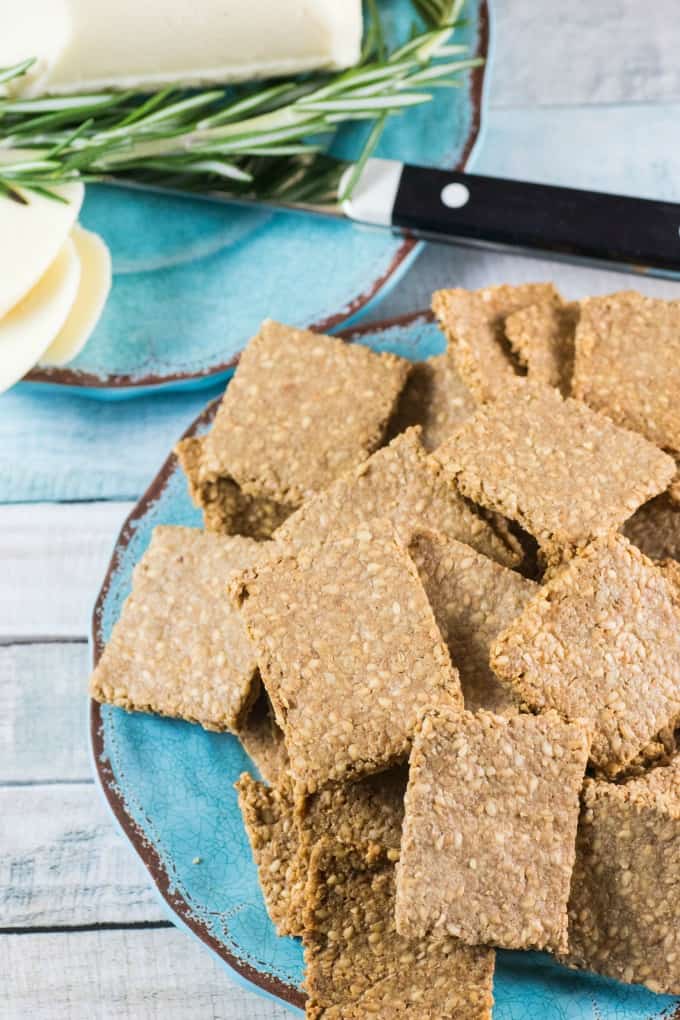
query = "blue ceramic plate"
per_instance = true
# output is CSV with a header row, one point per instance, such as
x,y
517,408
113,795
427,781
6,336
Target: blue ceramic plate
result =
x,y
176,317
170,787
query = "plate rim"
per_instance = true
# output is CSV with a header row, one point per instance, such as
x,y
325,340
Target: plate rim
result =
x,y
175,904
78,380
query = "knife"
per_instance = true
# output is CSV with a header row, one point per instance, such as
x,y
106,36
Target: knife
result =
x,y
620,232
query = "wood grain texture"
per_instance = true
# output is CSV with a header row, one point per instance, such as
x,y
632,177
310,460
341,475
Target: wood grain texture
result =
x,y
124,975
56,447
64,863
611,51
53,558
44,713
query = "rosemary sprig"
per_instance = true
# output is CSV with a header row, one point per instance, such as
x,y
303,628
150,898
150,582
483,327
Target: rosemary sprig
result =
x,y
252,141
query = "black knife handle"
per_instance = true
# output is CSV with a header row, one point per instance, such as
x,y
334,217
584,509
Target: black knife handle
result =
x,y
447,206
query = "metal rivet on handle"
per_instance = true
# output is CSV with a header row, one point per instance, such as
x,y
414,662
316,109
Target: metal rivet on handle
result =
x,y
455,196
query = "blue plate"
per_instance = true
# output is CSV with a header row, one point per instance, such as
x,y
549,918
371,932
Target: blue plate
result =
x,y
193,279
170,787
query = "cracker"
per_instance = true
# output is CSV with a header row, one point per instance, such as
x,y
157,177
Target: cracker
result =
x,y
628,363
623,911
349,652
473,600
269,820
358,967
402,484
227,510
436,398
300,410
474,323
600,641
490,826
655,528
542,337
565,473
263,741
179,648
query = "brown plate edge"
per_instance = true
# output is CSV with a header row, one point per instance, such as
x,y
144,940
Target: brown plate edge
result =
x,y
87,380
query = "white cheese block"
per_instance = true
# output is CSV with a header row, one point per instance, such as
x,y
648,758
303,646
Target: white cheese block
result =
x,y
93,290
28,330
132,44
38,29
31,237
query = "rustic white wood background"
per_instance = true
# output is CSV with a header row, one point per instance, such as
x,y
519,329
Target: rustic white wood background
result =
x,y
82,936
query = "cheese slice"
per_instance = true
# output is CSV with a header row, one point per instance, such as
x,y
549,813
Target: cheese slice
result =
x,y
93,290
28,330
132,44
31,237
38,29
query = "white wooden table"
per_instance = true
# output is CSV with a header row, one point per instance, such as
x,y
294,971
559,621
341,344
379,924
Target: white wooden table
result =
x,y
582,93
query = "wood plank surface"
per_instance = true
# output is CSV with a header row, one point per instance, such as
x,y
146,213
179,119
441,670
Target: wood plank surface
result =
x,y
44,713
63,862
120,975
611,51
53,559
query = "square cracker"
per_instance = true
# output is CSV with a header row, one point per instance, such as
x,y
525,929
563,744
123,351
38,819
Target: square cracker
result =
x,y
542,337
436,398
628,363
274,838
301,409
655,528
565,473
474,323
623,910
179,648
358,967
490,827
402,484
365,815
349,652
600,641
473,600
227,510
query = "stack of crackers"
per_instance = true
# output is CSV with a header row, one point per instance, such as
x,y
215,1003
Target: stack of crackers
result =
x,y
440,606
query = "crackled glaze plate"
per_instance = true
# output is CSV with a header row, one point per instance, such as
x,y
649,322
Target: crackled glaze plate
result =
x,y
176,317
170,787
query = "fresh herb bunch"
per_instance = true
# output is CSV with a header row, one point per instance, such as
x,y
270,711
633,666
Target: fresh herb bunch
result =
x,y
256,141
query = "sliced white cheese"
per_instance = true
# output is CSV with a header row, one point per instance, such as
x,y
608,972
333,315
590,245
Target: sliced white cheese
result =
x,y
28,330
31,237
93,290
128,44
37,29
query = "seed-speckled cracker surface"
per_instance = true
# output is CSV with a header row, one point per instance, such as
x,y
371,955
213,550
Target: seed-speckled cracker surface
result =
x,y
179,647
623,911
349,651
300,410
436,398
490,826
263,741
655,528
565,473
359,968
474,323
402,484
274,838
600,641
227,510
628,363
542,337
473,600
